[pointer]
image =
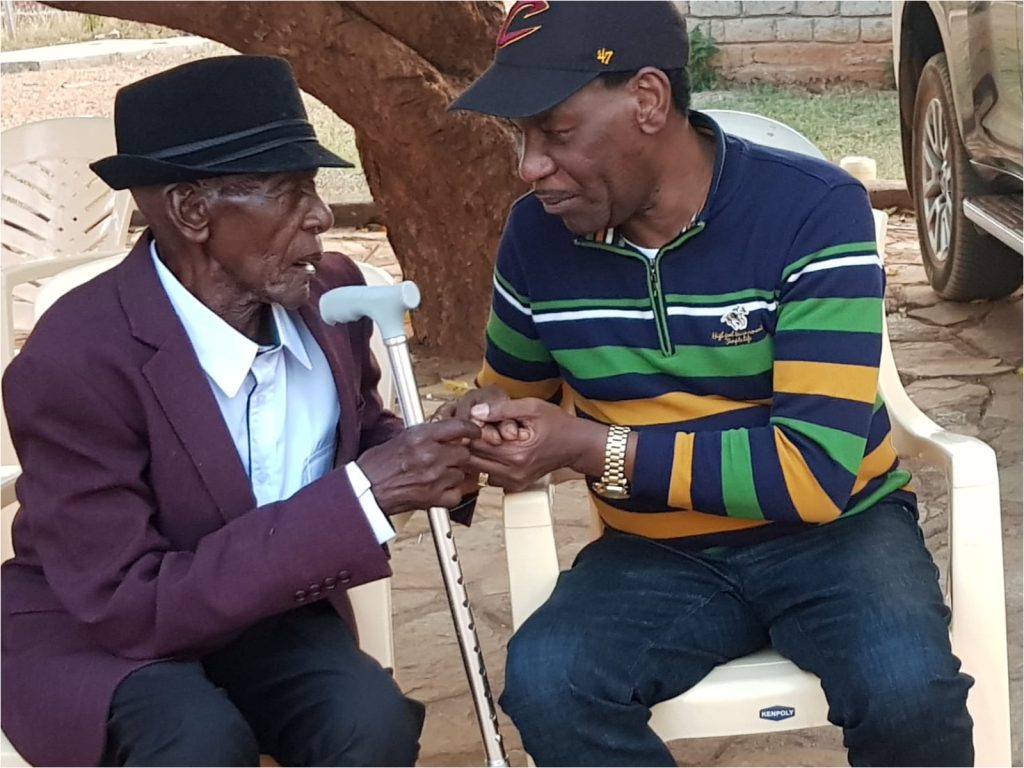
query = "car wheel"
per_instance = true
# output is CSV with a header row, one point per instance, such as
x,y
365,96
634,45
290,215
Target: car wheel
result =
x,y
961,261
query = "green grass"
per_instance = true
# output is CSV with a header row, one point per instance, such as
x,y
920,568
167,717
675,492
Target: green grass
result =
x,y
839,122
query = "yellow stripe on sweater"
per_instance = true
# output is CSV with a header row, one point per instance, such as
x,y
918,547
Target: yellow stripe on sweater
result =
x,y
850,382
875,464
679,493
808,497
670,525
665,409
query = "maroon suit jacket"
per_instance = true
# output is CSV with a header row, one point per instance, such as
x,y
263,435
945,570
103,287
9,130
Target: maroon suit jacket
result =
x,y
138,537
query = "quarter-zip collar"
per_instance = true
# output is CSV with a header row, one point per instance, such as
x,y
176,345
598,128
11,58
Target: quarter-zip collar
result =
x,y
612,241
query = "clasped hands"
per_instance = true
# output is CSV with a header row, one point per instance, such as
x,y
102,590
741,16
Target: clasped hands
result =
x,y
514,442
523,440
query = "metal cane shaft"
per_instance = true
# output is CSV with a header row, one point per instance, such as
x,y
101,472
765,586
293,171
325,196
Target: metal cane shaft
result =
x,y
451,570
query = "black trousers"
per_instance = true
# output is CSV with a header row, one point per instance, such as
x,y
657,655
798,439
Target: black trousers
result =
x,y
294,686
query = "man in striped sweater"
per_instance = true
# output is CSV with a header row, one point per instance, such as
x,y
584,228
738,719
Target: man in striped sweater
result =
x,y
712,311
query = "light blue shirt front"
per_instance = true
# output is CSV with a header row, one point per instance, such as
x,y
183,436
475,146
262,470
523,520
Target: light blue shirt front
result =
x,y
278,401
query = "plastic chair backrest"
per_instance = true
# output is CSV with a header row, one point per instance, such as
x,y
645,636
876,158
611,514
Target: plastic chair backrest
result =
x,y
763,130
53,204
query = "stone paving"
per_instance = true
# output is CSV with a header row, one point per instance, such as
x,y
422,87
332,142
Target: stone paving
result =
x,y
961,363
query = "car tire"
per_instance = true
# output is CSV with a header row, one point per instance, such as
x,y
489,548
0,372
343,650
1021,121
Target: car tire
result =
x,y
961,261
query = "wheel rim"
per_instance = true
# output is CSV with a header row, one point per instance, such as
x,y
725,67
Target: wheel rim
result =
x,y
937,181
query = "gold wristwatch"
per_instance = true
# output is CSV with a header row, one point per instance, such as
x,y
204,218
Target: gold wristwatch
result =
x,y
613,483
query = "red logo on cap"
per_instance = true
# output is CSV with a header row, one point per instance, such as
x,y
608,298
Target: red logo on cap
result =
x,y
525,9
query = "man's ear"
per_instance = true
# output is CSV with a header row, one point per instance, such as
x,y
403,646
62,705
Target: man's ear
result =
x,y
653,97
189,209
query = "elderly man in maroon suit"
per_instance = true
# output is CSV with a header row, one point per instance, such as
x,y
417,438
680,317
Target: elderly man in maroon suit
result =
x,y
207,467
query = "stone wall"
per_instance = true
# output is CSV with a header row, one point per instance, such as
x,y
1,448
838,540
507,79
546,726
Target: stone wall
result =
x,y
798,41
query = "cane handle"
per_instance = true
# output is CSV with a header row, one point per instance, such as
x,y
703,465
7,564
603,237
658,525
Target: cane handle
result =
x,y
386,305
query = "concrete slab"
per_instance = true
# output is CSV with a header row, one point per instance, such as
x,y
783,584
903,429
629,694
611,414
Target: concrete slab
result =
x,y
98,52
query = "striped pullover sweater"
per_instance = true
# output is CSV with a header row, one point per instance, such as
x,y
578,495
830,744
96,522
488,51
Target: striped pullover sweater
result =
x,y
745,355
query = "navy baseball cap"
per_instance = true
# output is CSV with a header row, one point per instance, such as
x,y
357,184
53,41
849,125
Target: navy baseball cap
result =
x,y
548,50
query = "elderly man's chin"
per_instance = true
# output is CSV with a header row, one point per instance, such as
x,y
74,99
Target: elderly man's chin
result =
x,y
292,296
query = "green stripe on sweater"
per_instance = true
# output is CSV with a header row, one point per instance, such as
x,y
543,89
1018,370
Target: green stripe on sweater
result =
x,y
738,490
513,343
845,449
865,246
687,362
855,315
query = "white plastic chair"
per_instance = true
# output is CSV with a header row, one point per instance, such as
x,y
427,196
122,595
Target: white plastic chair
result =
x,y
730,699
56,211
371,603
763,130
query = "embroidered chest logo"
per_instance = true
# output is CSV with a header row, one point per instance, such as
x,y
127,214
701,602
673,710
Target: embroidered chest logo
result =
x,y
524,9
737,319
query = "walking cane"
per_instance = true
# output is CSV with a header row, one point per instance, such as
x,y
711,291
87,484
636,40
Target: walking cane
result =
x,y
386,306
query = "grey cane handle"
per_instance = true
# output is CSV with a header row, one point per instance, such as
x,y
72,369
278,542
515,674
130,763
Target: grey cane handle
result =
x,y
386,305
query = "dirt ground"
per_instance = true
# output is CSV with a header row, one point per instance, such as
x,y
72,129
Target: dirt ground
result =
x,y
961,364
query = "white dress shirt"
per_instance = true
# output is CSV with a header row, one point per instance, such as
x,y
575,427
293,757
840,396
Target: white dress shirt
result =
x,y
278,401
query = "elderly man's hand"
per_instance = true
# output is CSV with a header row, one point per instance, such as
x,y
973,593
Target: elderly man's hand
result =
x,y
461,408
424,466
547,438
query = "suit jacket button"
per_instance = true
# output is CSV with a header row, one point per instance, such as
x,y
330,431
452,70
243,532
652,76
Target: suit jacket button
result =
x,y
330,582
344,577
300,595
314,590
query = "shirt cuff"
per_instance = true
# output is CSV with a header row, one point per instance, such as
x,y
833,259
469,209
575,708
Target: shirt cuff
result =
x,y
379,522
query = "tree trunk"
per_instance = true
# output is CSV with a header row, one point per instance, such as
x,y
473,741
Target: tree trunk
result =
x,y
443,181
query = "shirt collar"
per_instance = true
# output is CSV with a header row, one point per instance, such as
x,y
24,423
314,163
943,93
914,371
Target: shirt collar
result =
x,y
224,354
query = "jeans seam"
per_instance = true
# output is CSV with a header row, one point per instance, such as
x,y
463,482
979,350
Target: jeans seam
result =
x,y
661,635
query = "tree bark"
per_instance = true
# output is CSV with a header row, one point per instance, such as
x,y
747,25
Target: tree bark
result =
x,y
443,181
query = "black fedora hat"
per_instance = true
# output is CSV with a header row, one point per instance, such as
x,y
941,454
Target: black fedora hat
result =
x,y
212,117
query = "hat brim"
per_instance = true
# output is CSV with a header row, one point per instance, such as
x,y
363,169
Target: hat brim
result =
x,y
505,91
127,171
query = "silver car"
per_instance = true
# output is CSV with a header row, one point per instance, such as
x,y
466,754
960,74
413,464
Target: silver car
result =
x,y
958,70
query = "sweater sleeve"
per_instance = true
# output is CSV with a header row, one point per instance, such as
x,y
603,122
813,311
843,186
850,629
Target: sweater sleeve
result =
x,y
803,464
516,359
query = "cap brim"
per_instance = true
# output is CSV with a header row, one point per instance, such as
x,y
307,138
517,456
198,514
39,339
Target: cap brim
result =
x,y
126,171
505,91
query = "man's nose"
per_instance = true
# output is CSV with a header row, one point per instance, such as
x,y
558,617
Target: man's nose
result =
x,y
320,217
534,163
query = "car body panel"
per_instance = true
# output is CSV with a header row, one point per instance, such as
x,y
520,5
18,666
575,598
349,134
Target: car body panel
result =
x,y
982,43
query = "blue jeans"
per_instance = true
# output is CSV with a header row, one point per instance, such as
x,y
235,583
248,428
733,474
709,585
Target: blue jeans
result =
x,y
635,622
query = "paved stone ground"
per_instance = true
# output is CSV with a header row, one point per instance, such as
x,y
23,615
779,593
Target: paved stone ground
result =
x,y
961,364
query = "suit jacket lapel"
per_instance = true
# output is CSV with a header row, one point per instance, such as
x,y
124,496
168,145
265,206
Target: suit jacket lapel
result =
x,y
338,350
179,384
